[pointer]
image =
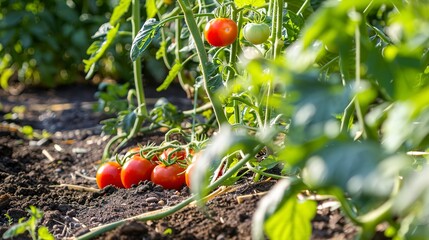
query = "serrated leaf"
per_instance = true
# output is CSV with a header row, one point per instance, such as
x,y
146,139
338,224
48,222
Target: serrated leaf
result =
x,y
174,71
151,8
162,50
44,234
119,10
144,37
111,35
254,3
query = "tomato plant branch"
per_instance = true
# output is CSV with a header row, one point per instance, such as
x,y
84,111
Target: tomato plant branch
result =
x,y
204,60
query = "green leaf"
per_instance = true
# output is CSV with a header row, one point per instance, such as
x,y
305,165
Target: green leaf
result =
x,y
281,216
16,230
129,121
144,37
151,8
44,234
111,35
174,71
119,10
254,3
292,221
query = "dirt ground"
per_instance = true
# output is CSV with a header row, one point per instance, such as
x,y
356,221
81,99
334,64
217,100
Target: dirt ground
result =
x,y
38,172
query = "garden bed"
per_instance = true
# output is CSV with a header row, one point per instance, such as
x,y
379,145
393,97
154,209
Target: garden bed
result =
x,y
55,175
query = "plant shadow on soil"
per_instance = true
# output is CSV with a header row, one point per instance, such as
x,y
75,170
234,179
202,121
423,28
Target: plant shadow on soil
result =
x,y
29,177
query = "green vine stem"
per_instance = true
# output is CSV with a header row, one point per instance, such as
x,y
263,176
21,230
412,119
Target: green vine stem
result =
x,y
204,60
138,81
161,214
137,69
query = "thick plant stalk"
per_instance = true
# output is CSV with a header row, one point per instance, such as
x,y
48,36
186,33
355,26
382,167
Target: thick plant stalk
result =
x,y
204,60
137,69
141,110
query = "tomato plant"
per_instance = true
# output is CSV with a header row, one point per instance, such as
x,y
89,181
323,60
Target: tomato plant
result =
x,y
109,174
256,33
135,170
169,177
220,32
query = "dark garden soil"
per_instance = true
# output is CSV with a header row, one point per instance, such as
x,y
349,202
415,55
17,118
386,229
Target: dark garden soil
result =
x,y
40,172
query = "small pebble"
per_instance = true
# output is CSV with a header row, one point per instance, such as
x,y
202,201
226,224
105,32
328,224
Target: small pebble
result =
x,y
161,202
152,199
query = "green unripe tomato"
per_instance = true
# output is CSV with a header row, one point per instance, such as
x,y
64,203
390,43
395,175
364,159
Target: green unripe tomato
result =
x,y
256,33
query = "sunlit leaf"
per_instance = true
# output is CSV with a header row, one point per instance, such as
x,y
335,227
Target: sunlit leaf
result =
x,y
144,37
15,230
119,11
254,3
292,221
151,8
172,74
44,234
110,37
281,216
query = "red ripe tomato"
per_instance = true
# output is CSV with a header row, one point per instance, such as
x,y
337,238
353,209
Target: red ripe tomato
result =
x,y
169,177
220,32
109,174
135,170
190,169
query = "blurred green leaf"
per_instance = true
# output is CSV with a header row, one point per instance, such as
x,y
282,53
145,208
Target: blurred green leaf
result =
x,y
292,221
44,234
172,74
110,37
254,3
119,11
151,8
279,214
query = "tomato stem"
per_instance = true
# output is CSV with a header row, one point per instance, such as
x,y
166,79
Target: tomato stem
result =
x,y
204,60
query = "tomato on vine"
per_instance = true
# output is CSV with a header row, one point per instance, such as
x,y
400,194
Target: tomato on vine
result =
x,y
109,173
135,170
169,177
220,32
256,33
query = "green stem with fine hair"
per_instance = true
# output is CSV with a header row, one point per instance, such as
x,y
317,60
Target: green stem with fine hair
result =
x,y
141,111
204,60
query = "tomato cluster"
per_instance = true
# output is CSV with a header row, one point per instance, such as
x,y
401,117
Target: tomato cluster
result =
x,y
138,168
